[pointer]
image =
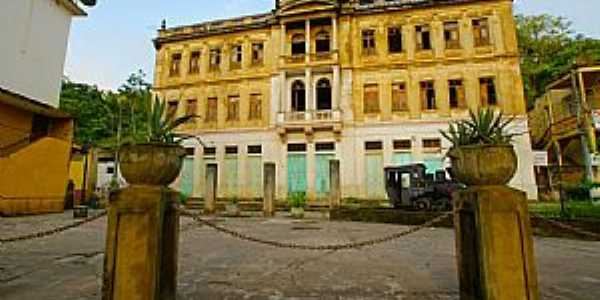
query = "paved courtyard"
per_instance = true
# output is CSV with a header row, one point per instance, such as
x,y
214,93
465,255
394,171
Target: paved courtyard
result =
x,y
213,266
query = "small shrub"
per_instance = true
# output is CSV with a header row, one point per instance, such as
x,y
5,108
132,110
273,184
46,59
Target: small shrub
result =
x,y
297,199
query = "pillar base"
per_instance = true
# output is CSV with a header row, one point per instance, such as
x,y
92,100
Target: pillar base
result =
x,y
141,245
494,245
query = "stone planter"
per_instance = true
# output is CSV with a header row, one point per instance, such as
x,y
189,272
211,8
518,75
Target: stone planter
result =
x,y
297,212
232,209
483,164
151,164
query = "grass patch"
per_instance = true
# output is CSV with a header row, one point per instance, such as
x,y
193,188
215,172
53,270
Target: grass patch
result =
x,y
573,210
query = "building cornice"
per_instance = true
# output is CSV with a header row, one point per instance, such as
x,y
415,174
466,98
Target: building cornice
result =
x,y
72,7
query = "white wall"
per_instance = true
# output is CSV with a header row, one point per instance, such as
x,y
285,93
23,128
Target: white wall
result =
x,y
33,46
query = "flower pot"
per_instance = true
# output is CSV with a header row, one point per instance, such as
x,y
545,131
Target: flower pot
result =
x,y
151,164
483,164
232,209
297,212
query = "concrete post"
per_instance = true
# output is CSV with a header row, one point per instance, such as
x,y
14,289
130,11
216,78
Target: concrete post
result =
x,y
335,195
210,194
269,181
141,245
494,245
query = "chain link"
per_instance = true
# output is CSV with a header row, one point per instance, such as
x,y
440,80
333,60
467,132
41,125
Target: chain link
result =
x,y
335,247
42,234
568,227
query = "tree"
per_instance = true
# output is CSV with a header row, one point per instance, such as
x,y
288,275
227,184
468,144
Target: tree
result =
x,y
548,48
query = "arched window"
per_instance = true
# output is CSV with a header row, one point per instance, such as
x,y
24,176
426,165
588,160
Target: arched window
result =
x,y
298,96
322,42
323,94
298,44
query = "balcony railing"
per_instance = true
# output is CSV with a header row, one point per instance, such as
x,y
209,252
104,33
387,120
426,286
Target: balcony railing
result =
x,y
307,117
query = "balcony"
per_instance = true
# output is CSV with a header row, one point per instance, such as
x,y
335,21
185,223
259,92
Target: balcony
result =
x,y
319,57
308,121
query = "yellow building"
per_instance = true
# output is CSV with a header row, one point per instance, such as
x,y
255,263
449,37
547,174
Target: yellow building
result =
x,y
370,83
35,137
566,117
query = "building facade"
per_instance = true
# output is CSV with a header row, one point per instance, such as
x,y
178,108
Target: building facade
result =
x,y
370,83
565,123
35,137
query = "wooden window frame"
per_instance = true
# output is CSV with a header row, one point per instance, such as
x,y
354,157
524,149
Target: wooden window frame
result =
x,y
458,86
369,41
194,64
452,35
233,108
255,109
371,104
212,111
427,89
399,104
481,32
394,39
175,65
488,91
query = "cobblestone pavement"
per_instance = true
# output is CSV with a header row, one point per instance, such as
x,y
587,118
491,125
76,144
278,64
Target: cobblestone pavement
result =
x,y
213,266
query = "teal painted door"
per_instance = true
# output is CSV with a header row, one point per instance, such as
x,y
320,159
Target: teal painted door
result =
x,y
255,177
322,174
402,159
186,183
230,177
433,164
374,178
296,173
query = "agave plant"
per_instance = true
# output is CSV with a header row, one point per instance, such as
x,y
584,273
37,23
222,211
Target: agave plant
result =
x,y
486,127
160,125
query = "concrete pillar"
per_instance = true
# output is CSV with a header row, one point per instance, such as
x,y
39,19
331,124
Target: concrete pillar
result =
x,y
334,39
141,245
310,103
335,196
269,183
210,194
336,88
283,40
307,40
494,245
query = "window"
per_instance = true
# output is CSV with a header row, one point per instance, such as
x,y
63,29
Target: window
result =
x,y
481,32
323,94
368,39
323,147
399,97
191,107
374,145
371,98
236,57
190,151
258,53
432,144
395,40
423,37
255,149
298,44
215,59
487,89
456,94
296,147
366,2
195,62
233,105
298,96
175,65
452,35
231,150
172,108
110,170
211,109
405,145
210,151
255,112
428,95
322,43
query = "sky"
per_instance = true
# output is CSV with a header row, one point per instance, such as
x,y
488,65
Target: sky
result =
x,y
115,39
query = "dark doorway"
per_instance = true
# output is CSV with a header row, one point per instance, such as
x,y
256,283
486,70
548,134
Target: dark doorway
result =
x,y
323,94
298,96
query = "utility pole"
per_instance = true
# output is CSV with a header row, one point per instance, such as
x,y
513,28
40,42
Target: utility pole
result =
x,y
581,127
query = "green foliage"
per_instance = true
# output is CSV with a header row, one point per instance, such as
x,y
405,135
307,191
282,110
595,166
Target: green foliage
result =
x,y
549,48
486,127
574,209
581,191
297,199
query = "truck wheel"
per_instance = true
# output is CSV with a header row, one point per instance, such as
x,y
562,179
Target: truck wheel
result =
x,y
423,204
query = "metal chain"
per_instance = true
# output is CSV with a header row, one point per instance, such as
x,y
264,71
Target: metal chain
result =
x,y
42,234
336,247
569,227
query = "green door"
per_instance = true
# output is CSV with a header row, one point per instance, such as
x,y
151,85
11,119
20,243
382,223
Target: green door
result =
x,y
374,177
230,177
255,178
186,182
433,164
322,174
402,159
296,173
